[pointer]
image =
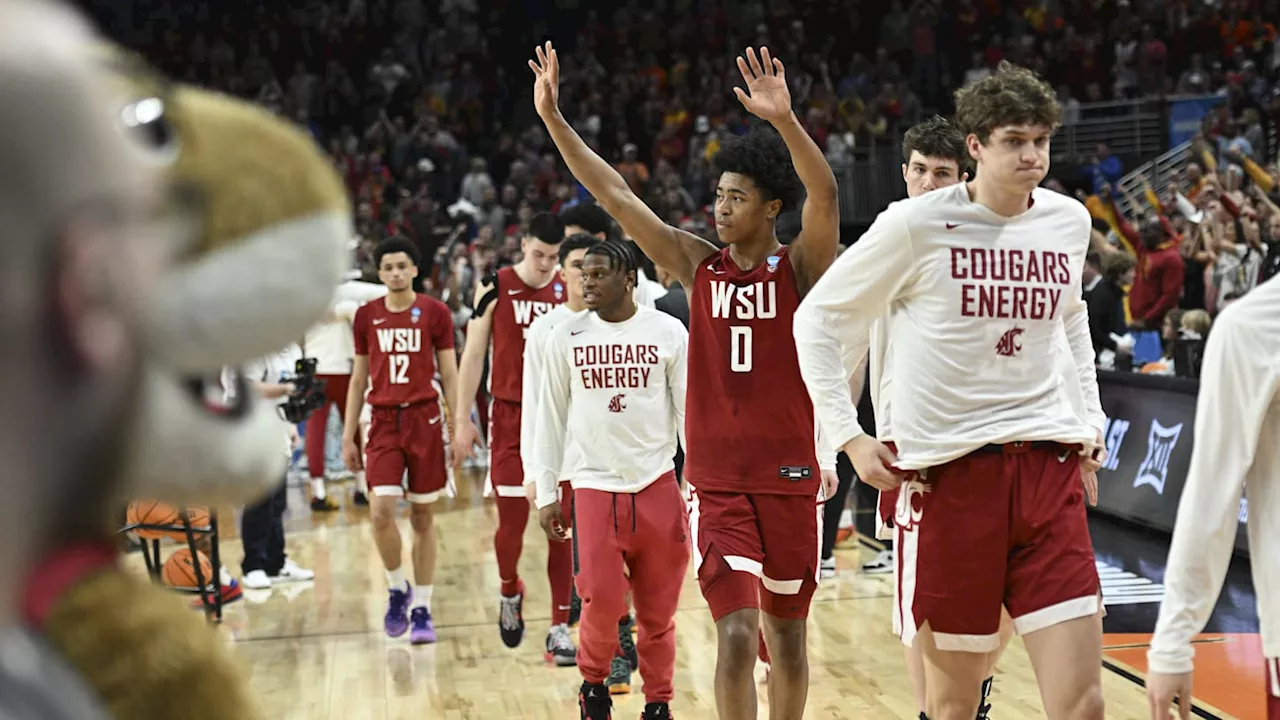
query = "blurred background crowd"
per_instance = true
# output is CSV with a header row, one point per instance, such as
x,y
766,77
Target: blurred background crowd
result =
x,y
424,107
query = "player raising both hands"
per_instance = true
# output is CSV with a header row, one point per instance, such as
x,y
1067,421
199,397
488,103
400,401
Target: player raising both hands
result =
x,y
752,458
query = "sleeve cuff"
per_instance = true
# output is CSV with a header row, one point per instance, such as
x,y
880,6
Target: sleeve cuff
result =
x,y
1170,663
547,490
827,461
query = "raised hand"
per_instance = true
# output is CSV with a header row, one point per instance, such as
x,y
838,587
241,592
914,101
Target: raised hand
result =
x,y
767,96
546,80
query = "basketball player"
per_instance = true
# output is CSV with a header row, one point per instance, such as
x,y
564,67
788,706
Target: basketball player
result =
x,y
980,281
751,454
934,156
80,266
505,304
1237,423
612,389
573,251
400,340
329,342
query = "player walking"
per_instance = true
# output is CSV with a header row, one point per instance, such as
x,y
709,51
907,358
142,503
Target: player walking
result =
x,y
400,340
612,391
505,305
751,455
980,282
1237,423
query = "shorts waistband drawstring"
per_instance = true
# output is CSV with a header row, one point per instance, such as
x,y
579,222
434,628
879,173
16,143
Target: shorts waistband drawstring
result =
x,y
615,513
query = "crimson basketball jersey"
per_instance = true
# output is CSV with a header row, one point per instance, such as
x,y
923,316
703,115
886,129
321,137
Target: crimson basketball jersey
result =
x,y
516,306
749,424
402,349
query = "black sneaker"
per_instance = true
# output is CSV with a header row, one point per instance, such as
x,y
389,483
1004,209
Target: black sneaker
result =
x,y
984,707
619,680
575,607
594,702
360,499
511,619
656,711
627,644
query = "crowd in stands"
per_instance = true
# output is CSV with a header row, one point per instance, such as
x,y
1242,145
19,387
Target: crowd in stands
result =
x,y
423,106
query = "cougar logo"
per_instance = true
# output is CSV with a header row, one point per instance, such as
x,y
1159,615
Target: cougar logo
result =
x,y
1154,469
1010,343
617,403
910,503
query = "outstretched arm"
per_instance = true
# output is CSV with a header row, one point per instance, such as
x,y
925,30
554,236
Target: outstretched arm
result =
x,y
768,98
674,249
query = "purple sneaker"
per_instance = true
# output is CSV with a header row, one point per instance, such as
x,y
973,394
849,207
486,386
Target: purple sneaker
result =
x,y
423,632
397,619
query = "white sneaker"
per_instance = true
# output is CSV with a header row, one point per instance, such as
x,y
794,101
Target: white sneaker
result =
x,y
883,563
224,576
829,567
292,573
256,580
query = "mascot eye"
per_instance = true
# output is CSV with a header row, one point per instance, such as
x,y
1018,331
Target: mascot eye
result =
x,y
147,121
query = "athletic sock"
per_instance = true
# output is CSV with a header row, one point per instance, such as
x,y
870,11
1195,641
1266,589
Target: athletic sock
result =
x,y
422,596
317,489
396,579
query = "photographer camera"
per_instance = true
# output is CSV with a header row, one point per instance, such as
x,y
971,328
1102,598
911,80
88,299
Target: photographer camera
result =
x,y
297,393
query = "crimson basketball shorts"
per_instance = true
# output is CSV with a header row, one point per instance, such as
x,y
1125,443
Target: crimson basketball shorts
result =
x,y
407,442
1273,688
756,551
1002,525
506,472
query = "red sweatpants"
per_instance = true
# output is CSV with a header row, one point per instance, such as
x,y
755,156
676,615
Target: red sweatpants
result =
x,y
508,542
648,532
335,393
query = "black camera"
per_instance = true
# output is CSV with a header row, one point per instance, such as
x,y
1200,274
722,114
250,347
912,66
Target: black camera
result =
x,y
308,394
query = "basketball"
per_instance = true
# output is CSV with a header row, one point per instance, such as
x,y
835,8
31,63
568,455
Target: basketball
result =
x,y
151,512
179,572
198,516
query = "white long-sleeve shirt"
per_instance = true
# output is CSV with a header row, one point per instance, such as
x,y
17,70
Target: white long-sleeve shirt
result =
x,y
616,391
979,304
330,342
1237,449
534,357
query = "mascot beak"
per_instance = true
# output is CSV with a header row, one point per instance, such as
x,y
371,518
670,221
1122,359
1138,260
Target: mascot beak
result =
x,y
272,224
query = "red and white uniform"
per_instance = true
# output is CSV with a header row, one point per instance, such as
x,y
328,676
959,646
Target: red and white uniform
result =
x,y
979,305
750,456
406,430
514,310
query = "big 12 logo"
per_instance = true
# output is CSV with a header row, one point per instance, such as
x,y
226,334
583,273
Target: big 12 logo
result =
x,y
1113,435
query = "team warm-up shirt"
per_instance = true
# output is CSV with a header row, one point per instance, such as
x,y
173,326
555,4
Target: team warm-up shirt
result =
x,y
983,309
402,349
751,426
1237,449
617,391
534,360
516,307
330,342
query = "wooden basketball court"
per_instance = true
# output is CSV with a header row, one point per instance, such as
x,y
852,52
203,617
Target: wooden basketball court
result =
x,y
317,650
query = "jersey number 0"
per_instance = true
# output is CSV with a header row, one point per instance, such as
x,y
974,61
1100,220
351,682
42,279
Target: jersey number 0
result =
x,y
740,348
399,366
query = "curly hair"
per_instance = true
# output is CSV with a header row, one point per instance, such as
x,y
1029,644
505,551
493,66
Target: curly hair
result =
x,y
1012,96
762,156
935,138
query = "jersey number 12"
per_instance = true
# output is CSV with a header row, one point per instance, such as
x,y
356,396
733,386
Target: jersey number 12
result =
x,y
399,366
740,348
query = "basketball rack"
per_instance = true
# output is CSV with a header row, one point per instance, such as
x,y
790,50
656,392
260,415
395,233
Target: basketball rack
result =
x,y
209,589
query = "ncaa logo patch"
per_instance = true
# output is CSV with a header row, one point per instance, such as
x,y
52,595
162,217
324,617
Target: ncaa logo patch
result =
x,y
559,290
772,261
415,313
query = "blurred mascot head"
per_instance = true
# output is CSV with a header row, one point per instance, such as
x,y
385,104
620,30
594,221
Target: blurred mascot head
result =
x,y
260,226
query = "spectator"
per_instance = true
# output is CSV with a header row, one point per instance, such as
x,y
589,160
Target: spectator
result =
x,y
1106,307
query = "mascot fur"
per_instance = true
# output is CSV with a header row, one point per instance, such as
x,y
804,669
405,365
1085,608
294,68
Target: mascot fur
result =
x,y
268,223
